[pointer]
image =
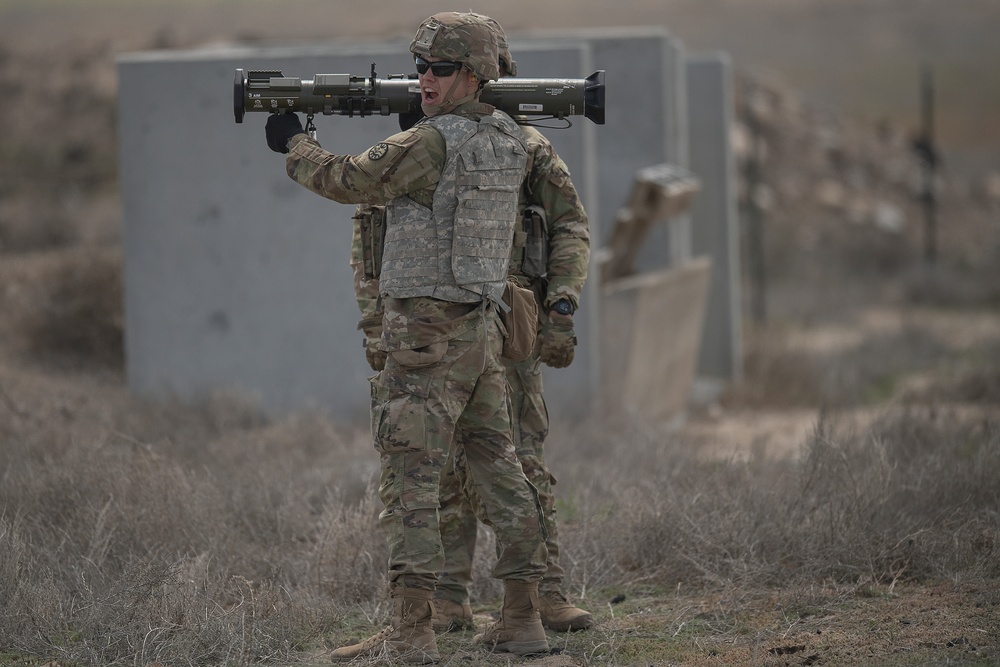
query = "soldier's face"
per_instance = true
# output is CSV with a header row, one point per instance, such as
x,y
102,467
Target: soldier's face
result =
x,y
434,89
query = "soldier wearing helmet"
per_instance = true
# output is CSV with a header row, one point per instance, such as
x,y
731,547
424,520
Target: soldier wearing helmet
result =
x,y
459,37
550,256
449,185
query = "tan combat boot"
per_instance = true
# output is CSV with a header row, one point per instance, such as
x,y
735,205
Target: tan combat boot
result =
x,y
450,616
559,615
409,639
519,630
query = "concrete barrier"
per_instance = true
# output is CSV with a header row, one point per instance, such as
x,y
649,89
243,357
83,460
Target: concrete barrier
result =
x,y
236,278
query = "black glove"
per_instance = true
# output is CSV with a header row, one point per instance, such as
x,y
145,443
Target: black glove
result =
x,y
280,128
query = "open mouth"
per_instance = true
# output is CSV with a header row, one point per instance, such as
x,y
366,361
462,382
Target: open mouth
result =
x,y
429,95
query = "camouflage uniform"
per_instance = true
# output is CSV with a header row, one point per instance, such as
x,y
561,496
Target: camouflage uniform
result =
x,y
450,185
442,393
561,276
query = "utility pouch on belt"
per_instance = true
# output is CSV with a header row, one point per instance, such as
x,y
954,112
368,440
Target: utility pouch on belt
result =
x,y
372,221
536,246
520,321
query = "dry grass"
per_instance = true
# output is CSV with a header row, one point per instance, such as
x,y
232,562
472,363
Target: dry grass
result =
x,y
215,535
118,550
135,532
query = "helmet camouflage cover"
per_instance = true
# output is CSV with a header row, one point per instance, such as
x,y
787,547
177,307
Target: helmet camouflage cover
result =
x,y
459,37
503,49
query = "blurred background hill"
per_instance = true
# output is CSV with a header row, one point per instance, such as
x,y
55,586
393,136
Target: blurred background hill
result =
x,y
853,56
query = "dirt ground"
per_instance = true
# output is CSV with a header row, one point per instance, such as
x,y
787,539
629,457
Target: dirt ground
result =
x,y
846,56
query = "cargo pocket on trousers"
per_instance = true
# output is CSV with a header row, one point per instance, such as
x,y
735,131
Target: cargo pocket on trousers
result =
x,y
399,412
419,357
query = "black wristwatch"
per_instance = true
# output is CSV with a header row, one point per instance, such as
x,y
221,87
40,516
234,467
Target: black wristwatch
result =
x,y
563,307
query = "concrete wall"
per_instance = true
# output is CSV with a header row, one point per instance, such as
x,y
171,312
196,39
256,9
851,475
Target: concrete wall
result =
x,y
651,338
238,278
716,234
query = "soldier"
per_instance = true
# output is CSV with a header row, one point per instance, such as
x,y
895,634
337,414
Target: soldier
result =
x,y
450,188
550,256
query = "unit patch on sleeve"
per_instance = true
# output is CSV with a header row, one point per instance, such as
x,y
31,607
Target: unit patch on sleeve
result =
x,y
378,151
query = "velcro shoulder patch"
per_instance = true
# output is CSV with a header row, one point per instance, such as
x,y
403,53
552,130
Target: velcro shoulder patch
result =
x,y
385,155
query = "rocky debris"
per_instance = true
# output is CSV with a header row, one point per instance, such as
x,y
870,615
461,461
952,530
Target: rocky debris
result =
x,y
841,199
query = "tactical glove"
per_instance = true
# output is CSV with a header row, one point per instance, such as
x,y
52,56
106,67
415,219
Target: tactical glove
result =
x,y
557,341
280,128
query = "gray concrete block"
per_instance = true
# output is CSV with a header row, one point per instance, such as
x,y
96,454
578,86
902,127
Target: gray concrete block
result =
x,y
238,279
715,228
651,337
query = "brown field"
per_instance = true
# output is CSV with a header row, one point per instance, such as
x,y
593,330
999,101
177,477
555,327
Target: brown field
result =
x,y
839,506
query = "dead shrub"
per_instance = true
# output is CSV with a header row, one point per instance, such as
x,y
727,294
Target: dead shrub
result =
x,y
117,548
79,312
774,374
257,537
951,286
979,386
869,373
876,504
45,227
778,373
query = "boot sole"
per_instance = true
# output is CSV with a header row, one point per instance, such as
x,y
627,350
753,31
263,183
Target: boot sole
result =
x,y
524,648
571,626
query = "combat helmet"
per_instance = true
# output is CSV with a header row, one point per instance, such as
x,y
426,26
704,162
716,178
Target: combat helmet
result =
x,y
459,37
503,49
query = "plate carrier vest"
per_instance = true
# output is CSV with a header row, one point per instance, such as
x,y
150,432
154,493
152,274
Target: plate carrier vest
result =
x,y
459,250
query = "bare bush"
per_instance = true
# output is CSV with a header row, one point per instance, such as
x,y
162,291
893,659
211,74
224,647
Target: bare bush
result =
x,y
79,312
863,370
876,505
954,286
216,533
116,550
774,374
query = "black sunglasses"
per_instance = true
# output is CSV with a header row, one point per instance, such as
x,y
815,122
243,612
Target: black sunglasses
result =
x,y
442,69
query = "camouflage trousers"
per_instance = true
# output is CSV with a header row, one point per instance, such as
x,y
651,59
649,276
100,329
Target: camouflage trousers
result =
x,y
459,524
454,404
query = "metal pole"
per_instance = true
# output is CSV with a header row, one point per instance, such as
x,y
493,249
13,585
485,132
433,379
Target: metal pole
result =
x,y
926,150
755,220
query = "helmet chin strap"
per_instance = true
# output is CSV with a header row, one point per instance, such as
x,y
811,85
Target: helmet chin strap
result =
x,y
448,103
